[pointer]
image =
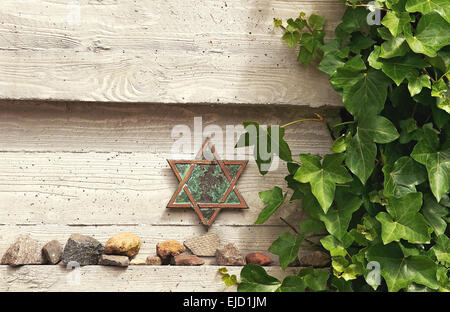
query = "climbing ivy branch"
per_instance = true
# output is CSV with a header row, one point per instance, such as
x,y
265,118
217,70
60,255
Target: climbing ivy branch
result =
x,y
382,194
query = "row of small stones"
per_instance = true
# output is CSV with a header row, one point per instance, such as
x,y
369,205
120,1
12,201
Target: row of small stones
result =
x,y
121,250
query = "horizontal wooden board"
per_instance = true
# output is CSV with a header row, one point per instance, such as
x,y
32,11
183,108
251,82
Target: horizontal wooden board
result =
x,y
134,278
171,51
246,238
98,164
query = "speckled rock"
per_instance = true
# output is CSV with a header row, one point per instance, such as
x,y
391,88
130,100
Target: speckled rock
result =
x,y
84,250
153,260
114,260
24,250
166,250
316,259
229,255
125,244
258,258
204,245
189,260
52,252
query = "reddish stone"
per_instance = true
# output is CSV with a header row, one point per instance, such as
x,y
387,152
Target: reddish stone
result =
x,y
258,258
187,260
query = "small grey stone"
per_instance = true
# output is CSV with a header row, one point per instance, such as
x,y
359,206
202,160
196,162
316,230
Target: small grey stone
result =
x,y
229,255
316,259
114,260
153,260
84,250
52,252
204,245
24,250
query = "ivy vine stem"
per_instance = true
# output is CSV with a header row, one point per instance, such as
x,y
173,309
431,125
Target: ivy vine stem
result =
x,y
319,119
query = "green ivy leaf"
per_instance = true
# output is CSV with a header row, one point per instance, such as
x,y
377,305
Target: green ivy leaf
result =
x,y
379,128
394,47
293,283
437,162
426,6
435,214
275,144
374,58
312,226
395,21
359,42
334,246
316,21
362,151
368,95
337,219
399,68
399,271
255,279
323,176
286,247
416,83
291,38
401,177
442,249
439,88
432,34
315,279
361,154
273,199
404,220
341,143
341,285
330,63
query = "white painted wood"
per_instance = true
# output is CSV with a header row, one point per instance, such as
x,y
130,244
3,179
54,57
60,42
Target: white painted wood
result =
x,y
171,51
133,278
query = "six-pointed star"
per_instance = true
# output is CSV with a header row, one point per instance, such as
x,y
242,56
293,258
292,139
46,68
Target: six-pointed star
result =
x,y
207,185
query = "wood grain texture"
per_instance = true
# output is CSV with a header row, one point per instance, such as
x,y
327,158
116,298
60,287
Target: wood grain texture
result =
x,y
97,164
135,278
247,238
100,169
171,51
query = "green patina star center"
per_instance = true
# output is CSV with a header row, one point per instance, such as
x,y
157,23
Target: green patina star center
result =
x,y
207,185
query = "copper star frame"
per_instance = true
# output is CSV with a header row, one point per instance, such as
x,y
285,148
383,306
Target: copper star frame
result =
x,y
199,160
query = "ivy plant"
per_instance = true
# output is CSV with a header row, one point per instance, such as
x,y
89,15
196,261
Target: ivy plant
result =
x,y
382,193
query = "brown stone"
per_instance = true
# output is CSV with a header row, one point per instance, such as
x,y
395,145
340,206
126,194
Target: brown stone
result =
x,y
24,250
229,255
204,245
153,260
114,260
187,260
316,259
125,244
166,250
258,258
52,252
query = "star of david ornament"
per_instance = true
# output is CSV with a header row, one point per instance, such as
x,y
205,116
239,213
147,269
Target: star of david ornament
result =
x,y
207,184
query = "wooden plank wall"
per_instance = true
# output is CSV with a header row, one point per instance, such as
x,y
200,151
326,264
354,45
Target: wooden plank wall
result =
x,y
87,108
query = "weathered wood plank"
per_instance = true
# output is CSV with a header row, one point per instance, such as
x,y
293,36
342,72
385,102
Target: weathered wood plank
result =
x,y
106,163
171,51
247,238
135,278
